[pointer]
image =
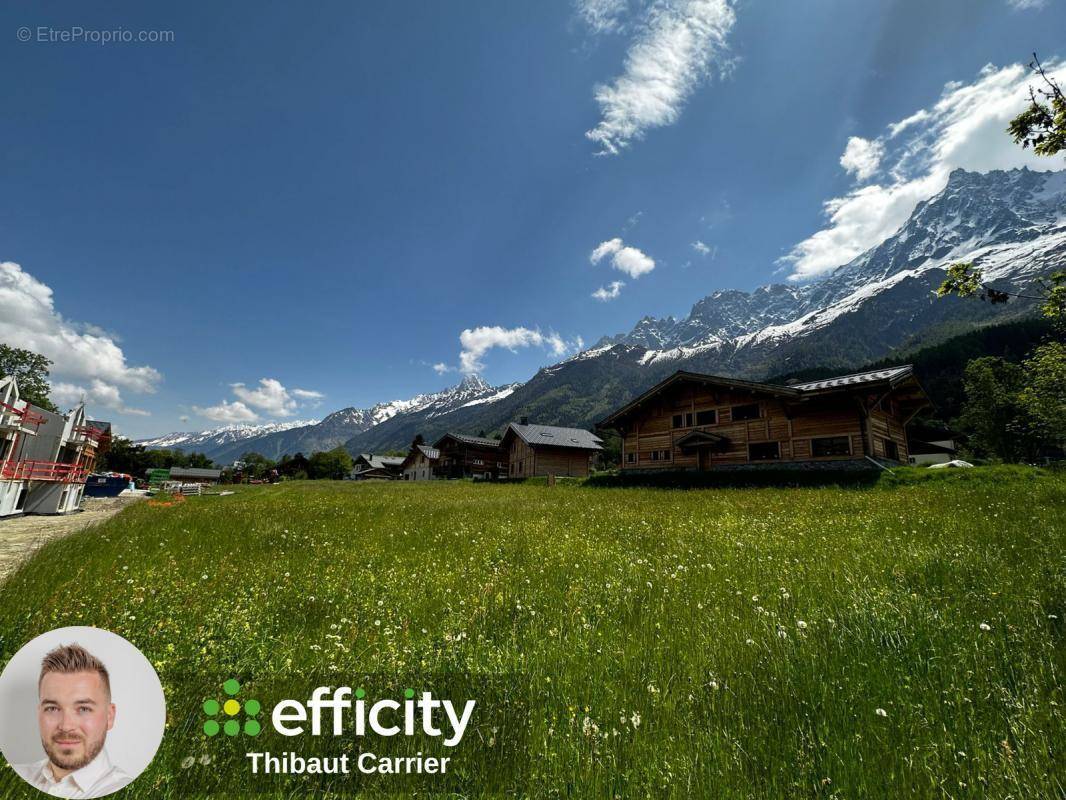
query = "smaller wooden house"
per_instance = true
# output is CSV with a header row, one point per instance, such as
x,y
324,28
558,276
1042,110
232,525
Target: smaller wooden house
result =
x,y
421,462
371,467
692,421
534,450
463,456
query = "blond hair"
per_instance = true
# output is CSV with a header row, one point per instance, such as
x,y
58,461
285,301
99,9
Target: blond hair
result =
x,y
71,658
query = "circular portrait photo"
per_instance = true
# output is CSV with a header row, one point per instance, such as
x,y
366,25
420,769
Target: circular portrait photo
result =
x,y
81,712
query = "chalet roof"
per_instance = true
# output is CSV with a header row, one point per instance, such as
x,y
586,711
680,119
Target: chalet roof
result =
x,y
549,435
920,432
841,383
478,441
432,453
856,379
379,462
919,448
194,472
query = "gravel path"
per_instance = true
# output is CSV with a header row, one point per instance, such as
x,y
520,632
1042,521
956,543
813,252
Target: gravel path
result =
x,y
21,536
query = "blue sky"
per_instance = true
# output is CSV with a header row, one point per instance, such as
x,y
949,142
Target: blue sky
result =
x,y
313,202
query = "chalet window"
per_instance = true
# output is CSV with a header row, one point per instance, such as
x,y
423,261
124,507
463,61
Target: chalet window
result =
x,y
764,451
891,449
660,455
679,420
478,461
631,458
748,411
665,455
706,417
831,446
688,420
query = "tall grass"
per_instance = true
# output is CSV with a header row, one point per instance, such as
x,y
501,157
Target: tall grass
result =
x,y
901,640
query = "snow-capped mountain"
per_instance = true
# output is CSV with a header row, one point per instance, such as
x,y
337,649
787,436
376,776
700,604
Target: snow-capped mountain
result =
x,y
1012,224
229,443
216,437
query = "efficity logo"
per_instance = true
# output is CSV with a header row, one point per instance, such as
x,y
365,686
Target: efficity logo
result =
x,y
340,711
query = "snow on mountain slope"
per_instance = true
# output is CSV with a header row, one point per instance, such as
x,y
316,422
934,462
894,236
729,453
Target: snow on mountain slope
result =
x,y
1012,224
223,435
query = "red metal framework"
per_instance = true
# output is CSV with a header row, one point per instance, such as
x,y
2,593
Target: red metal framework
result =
x,y
28,417
89,432
42,471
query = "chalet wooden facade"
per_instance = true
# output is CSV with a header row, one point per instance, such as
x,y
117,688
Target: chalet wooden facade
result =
x,y
534,450
692,421
463,456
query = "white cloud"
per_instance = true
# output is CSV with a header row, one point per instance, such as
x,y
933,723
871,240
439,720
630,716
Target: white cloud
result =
x,y
86,360
227,412
1025,5
97,394
609,292
602,16
965,128
862,157
441,368
675,50
625,259
476,342
269,399
700,247
272,398
184,418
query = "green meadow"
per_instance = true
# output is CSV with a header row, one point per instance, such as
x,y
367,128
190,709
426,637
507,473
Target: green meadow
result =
x,y
902,639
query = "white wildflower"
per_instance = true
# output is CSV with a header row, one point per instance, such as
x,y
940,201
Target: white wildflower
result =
x,y
881,712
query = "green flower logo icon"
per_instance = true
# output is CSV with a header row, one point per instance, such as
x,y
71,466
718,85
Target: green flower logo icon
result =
x,y
227,712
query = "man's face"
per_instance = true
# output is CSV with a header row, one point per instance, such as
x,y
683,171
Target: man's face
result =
x,y
74,715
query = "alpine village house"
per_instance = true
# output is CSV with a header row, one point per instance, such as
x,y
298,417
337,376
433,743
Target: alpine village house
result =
x,y
536,450
692,421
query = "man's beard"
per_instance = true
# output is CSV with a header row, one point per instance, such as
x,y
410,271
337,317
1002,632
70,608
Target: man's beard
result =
x,y
72,763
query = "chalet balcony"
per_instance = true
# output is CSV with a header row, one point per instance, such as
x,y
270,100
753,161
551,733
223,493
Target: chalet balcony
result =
x,y
51,471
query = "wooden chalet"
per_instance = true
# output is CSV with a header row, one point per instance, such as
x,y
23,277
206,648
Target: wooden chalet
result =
x,y
692,421
533,450
420,463
369,467
463,456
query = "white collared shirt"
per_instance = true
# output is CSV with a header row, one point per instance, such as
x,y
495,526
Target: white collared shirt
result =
x,y
96,779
